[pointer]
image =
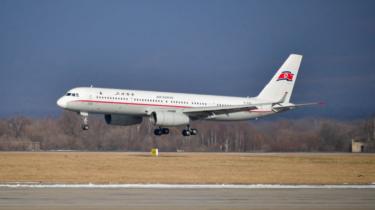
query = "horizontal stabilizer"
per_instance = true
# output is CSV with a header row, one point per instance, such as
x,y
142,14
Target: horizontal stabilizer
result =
x,y
289,106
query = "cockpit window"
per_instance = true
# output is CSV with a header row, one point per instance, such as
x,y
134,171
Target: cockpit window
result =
x,y
72,94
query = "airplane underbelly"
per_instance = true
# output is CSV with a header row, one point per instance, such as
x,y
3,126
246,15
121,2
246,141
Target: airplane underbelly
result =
x,y
106,108
120,109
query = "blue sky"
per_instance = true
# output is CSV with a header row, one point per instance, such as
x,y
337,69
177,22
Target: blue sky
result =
x,y
210,47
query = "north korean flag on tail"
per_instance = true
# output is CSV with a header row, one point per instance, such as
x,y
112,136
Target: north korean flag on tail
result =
x,y
285,75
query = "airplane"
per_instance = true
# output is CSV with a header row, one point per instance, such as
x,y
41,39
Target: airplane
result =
x,y
167,109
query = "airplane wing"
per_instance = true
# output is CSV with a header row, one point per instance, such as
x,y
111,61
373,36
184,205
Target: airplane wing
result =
x,y
203,112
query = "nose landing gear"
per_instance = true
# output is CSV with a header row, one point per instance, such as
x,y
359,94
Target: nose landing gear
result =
x,y
85,121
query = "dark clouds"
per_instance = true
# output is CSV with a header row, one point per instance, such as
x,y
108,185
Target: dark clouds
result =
x,y
212,47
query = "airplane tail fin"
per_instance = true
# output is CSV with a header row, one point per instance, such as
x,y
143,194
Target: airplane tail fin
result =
x,y
280,87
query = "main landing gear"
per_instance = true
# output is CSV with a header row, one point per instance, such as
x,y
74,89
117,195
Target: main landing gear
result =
x,y
85,121
186,132
189,131
161,131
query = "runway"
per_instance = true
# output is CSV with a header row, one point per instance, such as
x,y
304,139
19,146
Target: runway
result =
x,y
58,198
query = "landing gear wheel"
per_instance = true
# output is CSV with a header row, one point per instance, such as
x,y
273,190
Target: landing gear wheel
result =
x,y
186,132
165,131
85,127
193,131
158,132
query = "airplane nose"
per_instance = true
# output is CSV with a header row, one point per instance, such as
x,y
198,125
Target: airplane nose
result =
x,y
61,102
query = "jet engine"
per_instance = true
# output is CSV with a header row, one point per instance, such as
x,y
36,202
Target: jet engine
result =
x,y
124,120
163,118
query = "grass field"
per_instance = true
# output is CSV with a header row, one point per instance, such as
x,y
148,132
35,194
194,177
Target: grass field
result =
x,y
191,168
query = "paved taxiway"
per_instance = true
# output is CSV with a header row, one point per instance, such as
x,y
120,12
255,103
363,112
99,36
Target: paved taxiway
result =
x,y
95,198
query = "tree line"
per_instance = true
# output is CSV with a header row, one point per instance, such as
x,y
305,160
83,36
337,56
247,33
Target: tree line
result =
x,y
287,135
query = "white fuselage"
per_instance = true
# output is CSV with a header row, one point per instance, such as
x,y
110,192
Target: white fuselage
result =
x,y
143,103
165,109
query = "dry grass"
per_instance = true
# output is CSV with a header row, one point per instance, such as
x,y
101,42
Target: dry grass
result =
x,y
110,167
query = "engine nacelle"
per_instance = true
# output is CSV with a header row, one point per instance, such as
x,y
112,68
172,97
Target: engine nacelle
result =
x,y
113,119
163,118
